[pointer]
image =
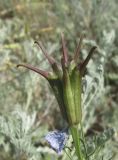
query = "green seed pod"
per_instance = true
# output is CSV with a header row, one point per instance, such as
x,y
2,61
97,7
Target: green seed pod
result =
x,y
65,80
68,98
76,89
57,87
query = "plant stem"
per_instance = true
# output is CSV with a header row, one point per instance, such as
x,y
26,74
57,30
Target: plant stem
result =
x,y
84,141
76,140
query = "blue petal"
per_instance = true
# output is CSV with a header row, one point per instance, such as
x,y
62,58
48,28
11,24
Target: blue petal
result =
x,y
57,140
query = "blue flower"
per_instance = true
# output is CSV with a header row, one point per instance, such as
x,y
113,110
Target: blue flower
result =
x,y
57,139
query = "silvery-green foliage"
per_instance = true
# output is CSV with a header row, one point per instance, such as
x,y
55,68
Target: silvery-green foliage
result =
x,y
93,86
96,145
18,127
22,132
101,142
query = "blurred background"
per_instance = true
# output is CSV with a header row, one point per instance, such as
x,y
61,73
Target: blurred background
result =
x,y
24,21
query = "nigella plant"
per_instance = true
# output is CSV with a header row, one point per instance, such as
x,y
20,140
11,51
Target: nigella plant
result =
x,y
66,83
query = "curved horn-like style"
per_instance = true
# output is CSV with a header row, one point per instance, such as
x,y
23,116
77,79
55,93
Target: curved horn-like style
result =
x,y
84,64
77,52
64,49
43,73
50,59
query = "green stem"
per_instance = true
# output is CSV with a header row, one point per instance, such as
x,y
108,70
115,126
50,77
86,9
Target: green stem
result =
x,y
76,140
84,141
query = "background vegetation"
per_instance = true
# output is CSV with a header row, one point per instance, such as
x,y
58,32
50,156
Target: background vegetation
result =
x,y
28,109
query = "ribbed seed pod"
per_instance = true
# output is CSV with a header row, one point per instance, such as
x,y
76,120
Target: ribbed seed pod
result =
x,y
57,87
65,81
76,90
68,98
